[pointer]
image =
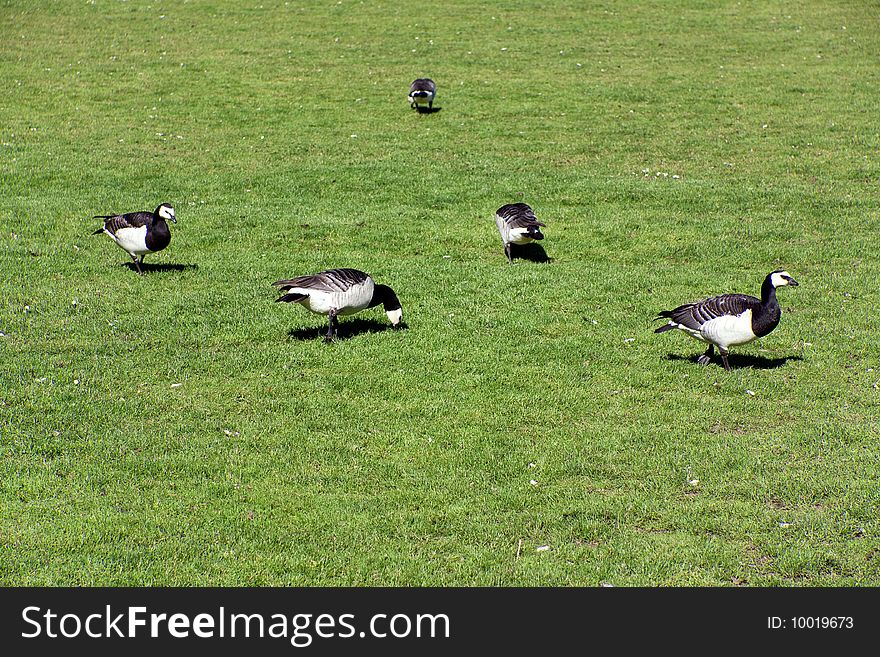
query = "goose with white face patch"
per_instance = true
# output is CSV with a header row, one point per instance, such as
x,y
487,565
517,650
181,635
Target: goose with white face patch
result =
x,y
422,92
139,233
730,319
337,292
518,225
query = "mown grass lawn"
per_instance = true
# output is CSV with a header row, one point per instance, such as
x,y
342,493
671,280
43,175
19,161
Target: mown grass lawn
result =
x,y
528,427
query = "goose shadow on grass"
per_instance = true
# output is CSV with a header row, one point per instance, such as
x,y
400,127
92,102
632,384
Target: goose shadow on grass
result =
x,y
427,110
159,268
533,252
740,361
345,328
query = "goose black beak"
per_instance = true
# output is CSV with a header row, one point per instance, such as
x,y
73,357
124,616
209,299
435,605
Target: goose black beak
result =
x,y
793,282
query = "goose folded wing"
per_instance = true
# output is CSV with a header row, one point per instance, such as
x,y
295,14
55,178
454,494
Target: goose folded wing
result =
x,y
695,315
524,221
519,215
332,280
131,220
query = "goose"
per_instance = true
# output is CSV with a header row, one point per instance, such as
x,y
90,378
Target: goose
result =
x,y
339,292
139,233
422,92
729,319
518,225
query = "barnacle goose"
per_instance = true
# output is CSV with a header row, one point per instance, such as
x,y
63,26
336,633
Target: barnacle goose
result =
x,y
729,319
139,233
340,292
421,92
518,225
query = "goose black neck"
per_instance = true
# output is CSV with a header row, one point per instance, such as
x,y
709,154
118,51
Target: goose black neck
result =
x,y
768,291
385,295
158,236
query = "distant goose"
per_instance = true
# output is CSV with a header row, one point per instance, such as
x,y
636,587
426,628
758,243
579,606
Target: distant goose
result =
x,y
729,319
340,292
518,225
421,92
139,233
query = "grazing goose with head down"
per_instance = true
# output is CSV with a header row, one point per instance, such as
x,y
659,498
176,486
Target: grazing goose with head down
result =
x,y
422,92
729,319
340,292
139,233
518,225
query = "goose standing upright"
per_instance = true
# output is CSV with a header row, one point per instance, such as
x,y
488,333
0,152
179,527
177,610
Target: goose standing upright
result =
x,y
139,233
422,92
518,225
729,319
340,292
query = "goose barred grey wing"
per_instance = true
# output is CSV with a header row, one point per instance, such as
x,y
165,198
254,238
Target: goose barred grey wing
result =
x,y
332,280
116,222
695,315
518,215
423,84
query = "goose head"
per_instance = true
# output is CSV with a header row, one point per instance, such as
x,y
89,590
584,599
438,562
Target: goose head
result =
x,y
780,277
166,212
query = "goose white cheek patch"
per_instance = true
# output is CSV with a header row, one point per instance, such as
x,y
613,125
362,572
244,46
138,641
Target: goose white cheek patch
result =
x,y
778,279
395,316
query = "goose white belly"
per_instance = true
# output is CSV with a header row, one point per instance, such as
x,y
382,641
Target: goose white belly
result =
x,y
728,330
346,302
133,240
519,236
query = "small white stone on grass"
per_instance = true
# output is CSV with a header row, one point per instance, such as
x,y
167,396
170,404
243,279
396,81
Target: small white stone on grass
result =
x,y
750,392
176,385
533,482
542,548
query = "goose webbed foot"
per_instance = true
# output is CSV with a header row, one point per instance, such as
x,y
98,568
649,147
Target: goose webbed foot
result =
x,y
706,358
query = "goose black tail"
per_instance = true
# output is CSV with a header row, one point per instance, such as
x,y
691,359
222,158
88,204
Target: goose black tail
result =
x,y
664,314
292,297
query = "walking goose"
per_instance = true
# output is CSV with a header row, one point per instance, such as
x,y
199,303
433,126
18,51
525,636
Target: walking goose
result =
x,y
518,225
139,233
422,92
339,292
729,319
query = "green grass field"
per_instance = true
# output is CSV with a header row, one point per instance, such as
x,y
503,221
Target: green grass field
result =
x,y
528,427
